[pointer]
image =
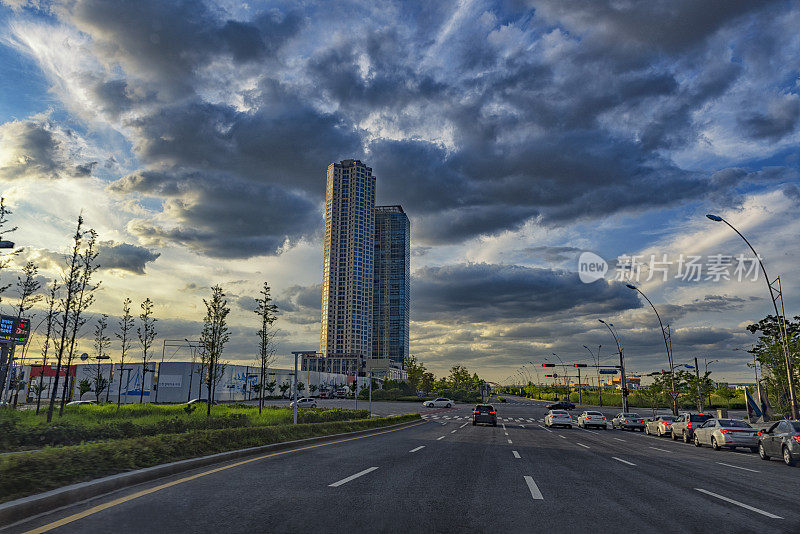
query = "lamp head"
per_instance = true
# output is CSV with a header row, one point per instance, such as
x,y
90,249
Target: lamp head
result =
x,y
630,286
715,218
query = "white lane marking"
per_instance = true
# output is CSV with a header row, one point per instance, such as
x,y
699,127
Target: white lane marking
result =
x,y
618,439
623,461
535,493
522,426
440,437
516,454
417,449
582,445
453,431
506,433
737,467
590,431
510,442
504,426
530,420
657,449
462,426
351,477
545,428
563,437
737,503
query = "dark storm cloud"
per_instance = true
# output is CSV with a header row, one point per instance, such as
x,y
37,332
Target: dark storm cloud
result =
x,y
124,256
300,304
482,292
36,150
477,117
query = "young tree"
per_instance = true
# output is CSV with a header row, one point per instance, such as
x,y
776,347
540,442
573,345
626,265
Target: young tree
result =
x,y
727,393
50,320
414,370
427,383
71,284
769,353
214,337
84,386
283,387
270,386
146,334
125,336
84,298
101,343
267,314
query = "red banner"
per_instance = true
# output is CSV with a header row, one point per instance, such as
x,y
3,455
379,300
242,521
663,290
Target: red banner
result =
x,y
50,370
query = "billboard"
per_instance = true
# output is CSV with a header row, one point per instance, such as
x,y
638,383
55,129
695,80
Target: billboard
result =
x,y
14,329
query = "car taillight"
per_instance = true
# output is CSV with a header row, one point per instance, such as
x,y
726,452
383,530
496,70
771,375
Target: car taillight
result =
x,y
491,413
758,432
476,412
666,423
625,421
689,425
796,438
604,418
724,431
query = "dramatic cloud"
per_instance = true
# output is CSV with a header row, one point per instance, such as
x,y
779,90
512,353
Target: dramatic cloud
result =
x,y
124,257
481,292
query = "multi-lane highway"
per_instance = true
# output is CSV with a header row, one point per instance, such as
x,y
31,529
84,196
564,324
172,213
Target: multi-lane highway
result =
x,y
444,475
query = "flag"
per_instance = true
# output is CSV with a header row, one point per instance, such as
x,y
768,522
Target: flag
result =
x,y
753,410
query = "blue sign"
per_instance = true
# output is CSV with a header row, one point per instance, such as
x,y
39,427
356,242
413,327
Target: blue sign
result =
x,y
608,371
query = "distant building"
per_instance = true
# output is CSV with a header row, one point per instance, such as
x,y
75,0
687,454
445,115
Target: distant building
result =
x,y
347,272
391,293
633,382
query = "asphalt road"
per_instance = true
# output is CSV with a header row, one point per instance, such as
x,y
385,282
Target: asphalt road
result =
x,y
444,475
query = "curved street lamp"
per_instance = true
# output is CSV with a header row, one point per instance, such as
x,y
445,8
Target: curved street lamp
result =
x,y
666,344
597,359
778,317
621,365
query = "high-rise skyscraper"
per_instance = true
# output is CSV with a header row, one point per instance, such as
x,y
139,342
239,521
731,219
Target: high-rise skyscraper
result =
x,y
347,272
391,293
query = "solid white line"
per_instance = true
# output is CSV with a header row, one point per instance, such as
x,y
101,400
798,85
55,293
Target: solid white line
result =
x,y
352,477
737,503
657,449
440,437
516,454
417,449
582,445
535,493
509,442
618,439
737,467
623,461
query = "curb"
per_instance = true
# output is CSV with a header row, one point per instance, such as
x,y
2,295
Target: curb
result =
x,y
26,507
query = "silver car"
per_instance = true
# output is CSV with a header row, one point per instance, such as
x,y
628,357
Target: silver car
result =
x,y
781,438
661,425
729,433
589,418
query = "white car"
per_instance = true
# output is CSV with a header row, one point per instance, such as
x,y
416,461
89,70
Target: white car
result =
x,y
589,418
304,402
558,418
439,403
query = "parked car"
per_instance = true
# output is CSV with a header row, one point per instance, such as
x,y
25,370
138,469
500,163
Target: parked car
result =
x,y
558,418
589,418
661,425
484,413
439,403
561,405
684,425
81,402
729,433
304,402
628,421
781,438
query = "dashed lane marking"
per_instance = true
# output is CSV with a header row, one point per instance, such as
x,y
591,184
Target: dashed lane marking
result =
x,y
582,445
623,461
737,467
516,454
534,489
352,477
737,503
657,449
440,437
417,449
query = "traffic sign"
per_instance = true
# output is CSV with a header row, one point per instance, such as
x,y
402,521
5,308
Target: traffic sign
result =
x,y
84,356
14,329
608,371
674,394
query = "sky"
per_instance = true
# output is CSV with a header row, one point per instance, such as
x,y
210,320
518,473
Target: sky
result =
x,y
194,138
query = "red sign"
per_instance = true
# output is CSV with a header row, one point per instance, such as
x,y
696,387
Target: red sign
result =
x,y
50,370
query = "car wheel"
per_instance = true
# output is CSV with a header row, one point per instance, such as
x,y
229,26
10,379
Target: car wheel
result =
x,y
761,452
673,436
697,441
714,444
685,437
788,459
647,430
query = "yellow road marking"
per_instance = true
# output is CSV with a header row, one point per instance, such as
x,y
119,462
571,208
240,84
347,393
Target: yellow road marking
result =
x,y
132,496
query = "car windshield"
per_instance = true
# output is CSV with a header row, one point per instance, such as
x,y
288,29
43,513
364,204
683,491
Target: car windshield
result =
x,y
667,417
594,413
630,415
484,408
734,423
795,425
700,417
559,412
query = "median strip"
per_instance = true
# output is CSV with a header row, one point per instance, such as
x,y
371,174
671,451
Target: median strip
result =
x,y
352,477
737,503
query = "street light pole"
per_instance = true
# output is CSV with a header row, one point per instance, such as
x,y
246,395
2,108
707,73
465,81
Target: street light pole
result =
x,y
778,316
666,344
599,389
621,366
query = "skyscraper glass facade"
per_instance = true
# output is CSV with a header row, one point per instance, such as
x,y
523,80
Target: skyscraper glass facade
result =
x,y
347,272
391,293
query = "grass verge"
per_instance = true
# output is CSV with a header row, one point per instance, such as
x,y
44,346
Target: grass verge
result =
x,y
27,474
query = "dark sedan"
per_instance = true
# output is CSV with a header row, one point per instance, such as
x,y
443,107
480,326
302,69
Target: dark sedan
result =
x,y
561,405
782,438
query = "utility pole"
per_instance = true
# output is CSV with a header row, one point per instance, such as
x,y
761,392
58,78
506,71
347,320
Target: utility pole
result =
x,y
699,392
